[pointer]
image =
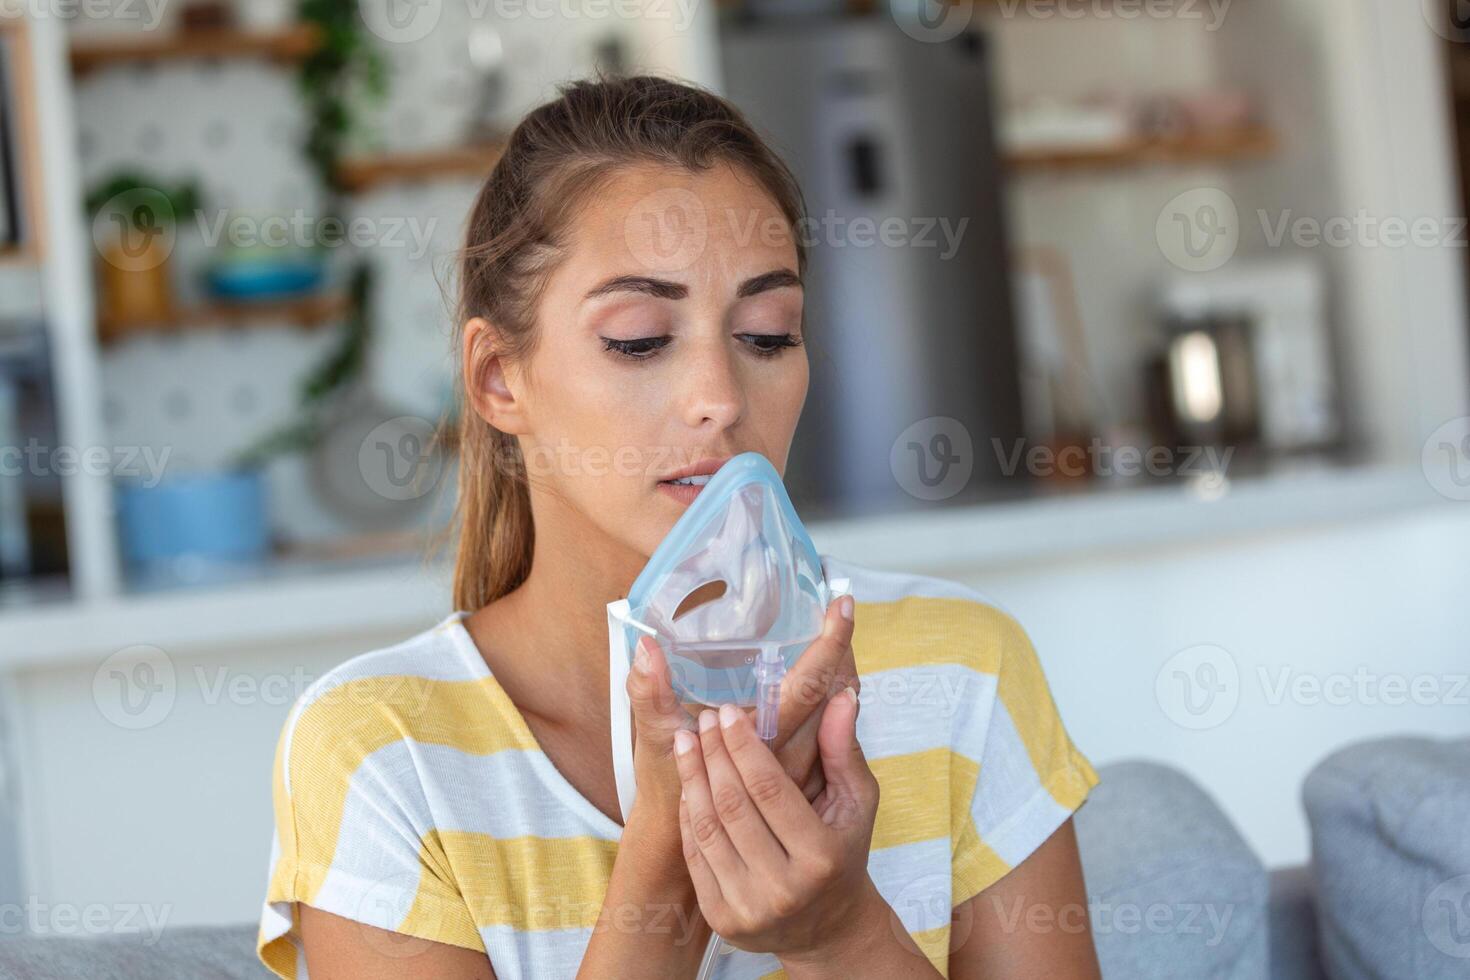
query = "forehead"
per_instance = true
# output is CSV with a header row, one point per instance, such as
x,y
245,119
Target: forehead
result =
x,y
651,219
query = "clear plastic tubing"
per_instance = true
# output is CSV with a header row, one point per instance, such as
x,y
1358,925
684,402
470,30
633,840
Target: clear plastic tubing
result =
x,y
769,670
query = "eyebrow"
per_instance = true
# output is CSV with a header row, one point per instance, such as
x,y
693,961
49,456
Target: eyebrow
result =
x,y
667,289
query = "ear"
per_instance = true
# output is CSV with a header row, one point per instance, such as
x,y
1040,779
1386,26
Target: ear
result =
x,y
487,385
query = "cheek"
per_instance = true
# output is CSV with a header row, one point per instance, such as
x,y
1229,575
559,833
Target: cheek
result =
x,y
782,393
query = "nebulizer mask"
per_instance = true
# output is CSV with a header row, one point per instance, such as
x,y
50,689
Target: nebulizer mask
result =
x,y
741,531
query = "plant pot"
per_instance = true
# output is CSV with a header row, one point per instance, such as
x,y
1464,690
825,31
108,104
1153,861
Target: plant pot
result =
x,y
187,524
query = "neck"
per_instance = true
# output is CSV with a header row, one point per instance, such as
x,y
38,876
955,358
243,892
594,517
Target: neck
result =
x,y
554,625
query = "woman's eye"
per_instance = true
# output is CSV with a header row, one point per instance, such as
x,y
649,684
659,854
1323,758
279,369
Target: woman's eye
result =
x,y
638,349
770,344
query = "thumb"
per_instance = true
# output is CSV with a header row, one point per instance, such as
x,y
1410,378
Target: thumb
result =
x,y
843,763
657,713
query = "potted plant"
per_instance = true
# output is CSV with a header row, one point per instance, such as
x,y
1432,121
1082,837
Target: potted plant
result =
x,y
134,227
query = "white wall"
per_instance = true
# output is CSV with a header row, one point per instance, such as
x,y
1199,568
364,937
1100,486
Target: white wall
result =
x,y
1387,595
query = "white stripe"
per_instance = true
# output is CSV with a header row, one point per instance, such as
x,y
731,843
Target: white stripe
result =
x,y
915,709
1007,809
916,880
536,952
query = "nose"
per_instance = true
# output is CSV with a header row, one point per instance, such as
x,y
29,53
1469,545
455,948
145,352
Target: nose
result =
x,y
714,392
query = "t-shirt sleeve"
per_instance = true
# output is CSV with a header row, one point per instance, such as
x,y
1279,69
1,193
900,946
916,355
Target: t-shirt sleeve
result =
x,y
1025,775
353,835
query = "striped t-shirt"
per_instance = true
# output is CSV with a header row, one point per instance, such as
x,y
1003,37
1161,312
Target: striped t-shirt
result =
x,y
411,795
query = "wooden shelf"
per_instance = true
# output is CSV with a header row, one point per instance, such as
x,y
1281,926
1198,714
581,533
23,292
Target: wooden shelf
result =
x,y
314,310
22,254
287,44
1249,143
364,173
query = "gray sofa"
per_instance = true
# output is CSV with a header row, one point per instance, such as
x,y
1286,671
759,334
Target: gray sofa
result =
x,y
1174,891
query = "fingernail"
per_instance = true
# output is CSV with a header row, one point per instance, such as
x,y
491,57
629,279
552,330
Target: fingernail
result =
x,y
851,693
728,714
640,657
844,606
683,742
706,720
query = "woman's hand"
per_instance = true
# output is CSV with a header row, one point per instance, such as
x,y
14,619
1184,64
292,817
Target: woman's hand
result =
x,y
824,668
774,873
657,715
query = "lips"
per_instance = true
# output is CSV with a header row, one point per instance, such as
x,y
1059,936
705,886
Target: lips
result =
x,y
687,483
696,474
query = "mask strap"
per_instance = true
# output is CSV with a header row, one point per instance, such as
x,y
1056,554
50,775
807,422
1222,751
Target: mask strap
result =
x,y
621,707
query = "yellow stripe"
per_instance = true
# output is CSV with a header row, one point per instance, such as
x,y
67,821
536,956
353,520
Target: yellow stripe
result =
x,y
914,791
527,883
935,945
279,954
919,631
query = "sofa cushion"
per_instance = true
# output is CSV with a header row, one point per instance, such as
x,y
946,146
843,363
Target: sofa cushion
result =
x,y
1173,889
1391,855
226,953
1293,917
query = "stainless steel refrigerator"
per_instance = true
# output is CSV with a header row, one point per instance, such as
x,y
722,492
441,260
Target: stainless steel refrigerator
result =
x,y
910,335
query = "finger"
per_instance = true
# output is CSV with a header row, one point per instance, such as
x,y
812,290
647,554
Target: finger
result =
x,y
843,762
813,680
747,829
704,823
797,751
706,883
657,713
824,668
814,784
776,798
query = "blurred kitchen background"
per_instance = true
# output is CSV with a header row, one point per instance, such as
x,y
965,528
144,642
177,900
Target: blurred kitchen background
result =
x,y
1166,352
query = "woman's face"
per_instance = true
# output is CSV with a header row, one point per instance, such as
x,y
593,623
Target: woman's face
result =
x,y
669,336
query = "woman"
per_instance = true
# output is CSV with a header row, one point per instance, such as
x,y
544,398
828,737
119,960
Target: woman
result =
x,y
631,317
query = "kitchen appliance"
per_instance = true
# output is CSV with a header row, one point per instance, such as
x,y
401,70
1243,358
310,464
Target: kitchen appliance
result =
x,y
1284,300
1205,385
910,334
